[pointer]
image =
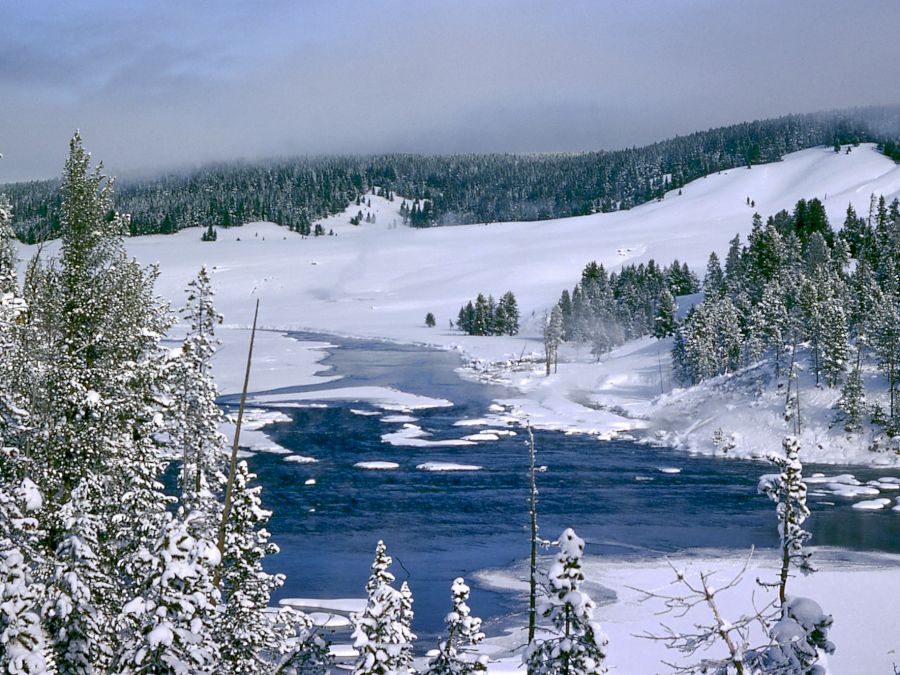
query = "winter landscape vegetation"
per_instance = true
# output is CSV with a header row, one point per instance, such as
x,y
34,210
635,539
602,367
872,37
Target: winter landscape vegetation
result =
x,y
544,409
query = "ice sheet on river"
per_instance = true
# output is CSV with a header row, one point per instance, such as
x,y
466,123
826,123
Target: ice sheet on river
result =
x,y
386,398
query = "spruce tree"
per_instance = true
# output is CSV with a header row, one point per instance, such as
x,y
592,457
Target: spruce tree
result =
x,y
666,312
575,644
454,655
249,637
168,626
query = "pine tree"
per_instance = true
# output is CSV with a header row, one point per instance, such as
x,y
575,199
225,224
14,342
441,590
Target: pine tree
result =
x,y
168,626
250,640
23,642
666,312
788,491
80,589
714,281
576,642
194,416
510,308
429,320
454,656
852,402
553,331
380,566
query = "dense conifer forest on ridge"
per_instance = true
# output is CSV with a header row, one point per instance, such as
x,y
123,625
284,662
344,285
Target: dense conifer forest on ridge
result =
x,y
456,189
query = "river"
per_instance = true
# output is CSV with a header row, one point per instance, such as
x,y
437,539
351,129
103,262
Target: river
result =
x,y
441,525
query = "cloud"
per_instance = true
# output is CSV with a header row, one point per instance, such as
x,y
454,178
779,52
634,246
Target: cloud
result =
x,y
168,84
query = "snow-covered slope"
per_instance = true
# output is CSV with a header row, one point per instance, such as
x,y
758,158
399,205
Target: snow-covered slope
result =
x,y
380,279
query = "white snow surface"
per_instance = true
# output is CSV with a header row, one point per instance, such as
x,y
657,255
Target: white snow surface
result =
x,y
851,587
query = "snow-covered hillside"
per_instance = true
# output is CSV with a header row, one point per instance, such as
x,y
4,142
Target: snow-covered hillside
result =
x,y
380,279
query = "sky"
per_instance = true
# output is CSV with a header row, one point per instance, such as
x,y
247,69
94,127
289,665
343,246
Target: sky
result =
x,y
157,85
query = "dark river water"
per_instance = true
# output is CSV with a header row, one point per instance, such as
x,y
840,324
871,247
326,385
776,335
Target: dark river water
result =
x,y
441,525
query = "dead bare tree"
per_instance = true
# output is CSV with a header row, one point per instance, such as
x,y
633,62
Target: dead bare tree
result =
x,y
692,594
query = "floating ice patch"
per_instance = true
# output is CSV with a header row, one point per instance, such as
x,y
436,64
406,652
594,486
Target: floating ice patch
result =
x,y
399,419
377,466
364,413
890,479
883,485
447,466
483,436
386,398
471,423
269,447
844,479
669,469
502,432
872,504
643,478
301,459
843,490
411,436
496,408
310,481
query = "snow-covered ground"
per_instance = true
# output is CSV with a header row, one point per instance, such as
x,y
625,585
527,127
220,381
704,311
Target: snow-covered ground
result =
x,y
853,588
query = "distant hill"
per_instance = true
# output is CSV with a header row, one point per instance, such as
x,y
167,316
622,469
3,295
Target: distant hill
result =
x,y
456,189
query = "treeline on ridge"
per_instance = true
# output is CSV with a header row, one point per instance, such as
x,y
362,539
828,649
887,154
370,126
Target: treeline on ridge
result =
x,y
455,189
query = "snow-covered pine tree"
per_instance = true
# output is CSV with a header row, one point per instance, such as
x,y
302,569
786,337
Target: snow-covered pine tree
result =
x,y
852,402
194,415
81,593
800,634
168,627
576,643
714,280
788,491
405,618
23,641
666,311
381,633
454,655
380,566
553,332
250,638
884,336
89,376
